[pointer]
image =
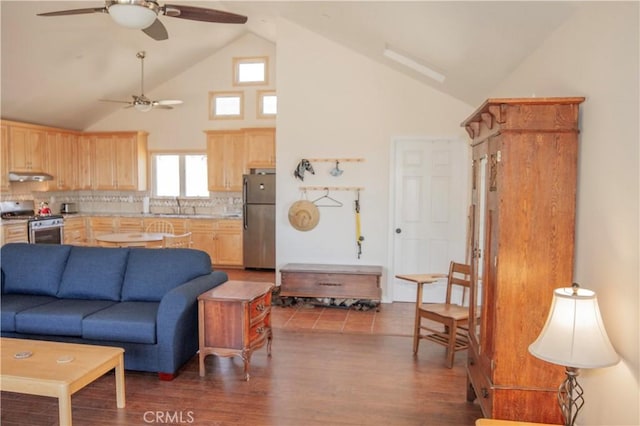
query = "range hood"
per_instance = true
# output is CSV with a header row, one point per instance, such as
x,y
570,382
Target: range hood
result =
x,y
29,176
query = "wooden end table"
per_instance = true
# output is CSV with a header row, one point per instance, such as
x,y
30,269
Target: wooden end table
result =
x,y
58,369
234,319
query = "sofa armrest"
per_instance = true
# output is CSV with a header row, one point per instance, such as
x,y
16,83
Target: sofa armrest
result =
x,y
177,321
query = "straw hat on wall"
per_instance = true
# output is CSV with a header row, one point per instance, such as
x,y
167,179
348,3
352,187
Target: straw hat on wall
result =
x,y
304,215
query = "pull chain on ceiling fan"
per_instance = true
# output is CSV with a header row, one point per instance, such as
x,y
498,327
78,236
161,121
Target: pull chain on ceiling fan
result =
x,y
141,102
143,15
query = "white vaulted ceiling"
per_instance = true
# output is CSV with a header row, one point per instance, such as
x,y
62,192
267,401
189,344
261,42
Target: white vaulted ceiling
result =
x,y
54,69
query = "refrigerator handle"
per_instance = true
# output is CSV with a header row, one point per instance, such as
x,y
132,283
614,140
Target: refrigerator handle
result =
x,y
245,219
244,190
244,204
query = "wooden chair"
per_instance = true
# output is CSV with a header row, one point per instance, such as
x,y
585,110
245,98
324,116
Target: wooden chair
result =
x,y
453,317
177,241
160,226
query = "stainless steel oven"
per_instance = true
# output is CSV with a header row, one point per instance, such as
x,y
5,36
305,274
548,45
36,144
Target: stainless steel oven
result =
x,y
41,229
46,230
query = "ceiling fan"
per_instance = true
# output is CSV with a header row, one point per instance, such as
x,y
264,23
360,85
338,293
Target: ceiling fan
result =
x,y
142,15
141,102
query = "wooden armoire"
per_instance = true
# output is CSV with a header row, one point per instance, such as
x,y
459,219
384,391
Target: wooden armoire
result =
x,y
524,173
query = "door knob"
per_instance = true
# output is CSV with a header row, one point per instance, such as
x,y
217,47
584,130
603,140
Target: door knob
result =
x,y
398,230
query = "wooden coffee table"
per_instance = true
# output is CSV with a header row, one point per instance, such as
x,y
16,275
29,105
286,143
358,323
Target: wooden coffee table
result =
x,y
58,369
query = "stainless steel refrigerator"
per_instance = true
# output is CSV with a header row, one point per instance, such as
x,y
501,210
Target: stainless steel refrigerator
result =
x,y
259,234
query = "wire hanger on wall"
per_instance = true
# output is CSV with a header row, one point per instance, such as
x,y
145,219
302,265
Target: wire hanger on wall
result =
x,y
331,202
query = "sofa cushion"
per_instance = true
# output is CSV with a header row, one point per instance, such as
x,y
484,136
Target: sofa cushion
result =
x,y
12,304
62,317
151,273
33,268
94,273
123,322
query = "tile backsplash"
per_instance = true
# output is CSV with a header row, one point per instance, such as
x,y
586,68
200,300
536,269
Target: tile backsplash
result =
x,y
129,202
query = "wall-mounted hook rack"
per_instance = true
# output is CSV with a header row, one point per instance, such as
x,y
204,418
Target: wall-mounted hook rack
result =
x,y
332,188
333,160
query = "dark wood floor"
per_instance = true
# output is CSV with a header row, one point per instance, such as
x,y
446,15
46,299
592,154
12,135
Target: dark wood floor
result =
x,y
312,378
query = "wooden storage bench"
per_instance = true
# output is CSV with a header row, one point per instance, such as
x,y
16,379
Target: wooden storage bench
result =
x,y
333,281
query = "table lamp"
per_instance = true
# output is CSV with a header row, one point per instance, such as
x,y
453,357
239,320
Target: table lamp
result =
x,y
574,337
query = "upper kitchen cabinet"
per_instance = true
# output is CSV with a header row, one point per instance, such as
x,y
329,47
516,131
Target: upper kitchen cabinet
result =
x,y
84,154
119,160
226,159
27,145
61,160
4,157
260,148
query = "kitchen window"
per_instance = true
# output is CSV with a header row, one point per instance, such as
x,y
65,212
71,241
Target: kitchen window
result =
x,y
179,175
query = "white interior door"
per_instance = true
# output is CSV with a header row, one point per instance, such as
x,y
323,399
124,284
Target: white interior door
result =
x,y
430,211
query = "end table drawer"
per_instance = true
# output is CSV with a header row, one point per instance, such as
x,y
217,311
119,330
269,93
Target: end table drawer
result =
x,y
259,307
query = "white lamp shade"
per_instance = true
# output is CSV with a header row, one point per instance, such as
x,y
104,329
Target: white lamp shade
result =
x,y
132,15
574,335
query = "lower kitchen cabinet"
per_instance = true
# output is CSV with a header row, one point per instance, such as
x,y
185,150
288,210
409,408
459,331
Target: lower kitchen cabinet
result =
x,y
14,233
99,226
75,230
221,239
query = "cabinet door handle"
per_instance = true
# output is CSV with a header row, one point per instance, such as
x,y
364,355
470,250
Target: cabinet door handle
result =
x,y
484,392
260,330
260,307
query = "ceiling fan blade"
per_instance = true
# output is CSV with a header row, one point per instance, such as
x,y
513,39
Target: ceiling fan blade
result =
x,y
112,100
167,102
75,11
156,106
202,14
156,31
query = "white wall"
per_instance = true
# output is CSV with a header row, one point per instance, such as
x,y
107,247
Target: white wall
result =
x,y
595,54
335,103
182,128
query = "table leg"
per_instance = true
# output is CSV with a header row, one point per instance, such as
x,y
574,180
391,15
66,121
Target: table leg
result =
x,y
64,407
120,391
416,327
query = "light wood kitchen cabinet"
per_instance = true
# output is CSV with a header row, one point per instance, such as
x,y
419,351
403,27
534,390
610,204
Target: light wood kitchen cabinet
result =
x,y
120,161
75,230
61,160
14,233
84,156
221,239
4,157
27,145
202,236
130,224
225,159
260,148
524,176
228,242
180,225
99,226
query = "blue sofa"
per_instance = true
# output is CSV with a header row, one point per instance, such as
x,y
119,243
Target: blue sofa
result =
x,y
143,300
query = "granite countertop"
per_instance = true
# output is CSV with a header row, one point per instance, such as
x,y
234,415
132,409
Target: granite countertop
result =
x,y
227,216
232,216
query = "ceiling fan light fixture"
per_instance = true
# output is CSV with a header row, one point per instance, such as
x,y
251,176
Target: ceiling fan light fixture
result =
x,y
143,107
136,16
